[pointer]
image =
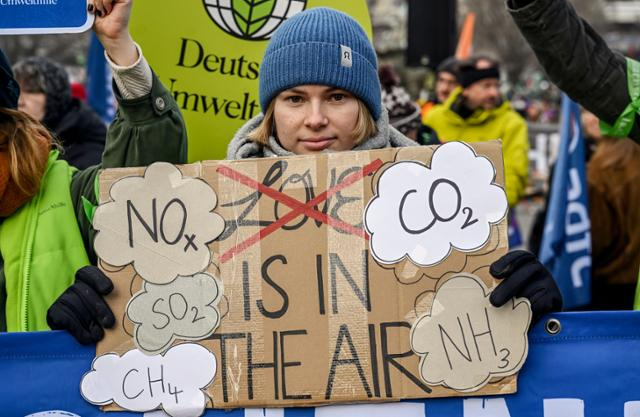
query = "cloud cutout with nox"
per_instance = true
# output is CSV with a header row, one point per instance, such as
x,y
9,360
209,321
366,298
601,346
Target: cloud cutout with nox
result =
x,y
184,309
161,222
423,212
137,382
465,341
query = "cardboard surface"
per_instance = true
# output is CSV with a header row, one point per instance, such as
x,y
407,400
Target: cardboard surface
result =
x,y
307,314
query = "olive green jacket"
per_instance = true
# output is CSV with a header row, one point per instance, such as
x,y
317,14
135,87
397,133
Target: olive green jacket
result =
x,y
146,130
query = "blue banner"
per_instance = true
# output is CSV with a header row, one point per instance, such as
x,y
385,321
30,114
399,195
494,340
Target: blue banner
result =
x,y
589,368
515,236
566,242
44,16
99,92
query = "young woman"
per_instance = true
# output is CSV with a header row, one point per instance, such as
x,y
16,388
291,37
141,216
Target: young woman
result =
x,y
319,92
45,205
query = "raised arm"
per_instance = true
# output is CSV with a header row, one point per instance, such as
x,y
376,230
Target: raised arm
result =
x,y
148,126
575,57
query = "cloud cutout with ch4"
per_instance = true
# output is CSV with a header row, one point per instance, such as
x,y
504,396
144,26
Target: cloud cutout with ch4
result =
x,y
137,382
464,340
184,309
424,212
160,222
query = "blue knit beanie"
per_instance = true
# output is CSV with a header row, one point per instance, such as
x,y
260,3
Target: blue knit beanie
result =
x,y
325,47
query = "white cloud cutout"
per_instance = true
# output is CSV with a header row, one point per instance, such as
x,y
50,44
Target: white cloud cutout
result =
x,y
184,309
423,212
177,379
161,222
464,341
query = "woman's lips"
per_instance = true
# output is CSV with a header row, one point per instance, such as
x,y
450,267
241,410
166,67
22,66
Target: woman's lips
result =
x,y
317,144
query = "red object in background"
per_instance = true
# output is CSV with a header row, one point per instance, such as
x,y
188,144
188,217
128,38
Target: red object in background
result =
x,y
78,91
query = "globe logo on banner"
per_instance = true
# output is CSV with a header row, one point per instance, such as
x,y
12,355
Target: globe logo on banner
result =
x,y
254,20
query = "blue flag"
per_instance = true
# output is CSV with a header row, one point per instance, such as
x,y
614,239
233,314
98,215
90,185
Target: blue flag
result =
x,y
566,242
513,232
99,91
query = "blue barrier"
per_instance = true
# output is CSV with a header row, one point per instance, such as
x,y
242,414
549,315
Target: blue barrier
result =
x,y
591,368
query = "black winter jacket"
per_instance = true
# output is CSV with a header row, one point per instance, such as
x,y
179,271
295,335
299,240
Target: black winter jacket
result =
x,y
82,134
575,57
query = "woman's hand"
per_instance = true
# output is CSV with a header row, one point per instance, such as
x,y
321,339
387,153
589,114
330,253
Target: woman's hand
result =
x,y
81,309
112,28
523,275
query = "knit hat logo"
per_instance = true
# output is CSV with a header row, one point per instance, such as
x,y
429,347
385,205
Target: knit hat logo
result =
x,y
254,20
345,56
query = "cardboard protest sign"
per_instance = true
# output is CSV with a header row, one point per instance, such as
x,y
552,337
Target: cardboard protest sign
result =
x,y
340,277
19,17
208,54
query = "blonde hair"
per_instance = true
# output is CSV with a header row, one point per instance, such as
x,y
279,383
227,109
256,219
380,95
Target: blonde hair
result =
x,y
19,138
365,127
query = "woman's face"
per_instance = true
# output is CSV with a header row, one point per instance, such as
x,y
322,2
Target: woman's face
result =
x,y
33,104
314,118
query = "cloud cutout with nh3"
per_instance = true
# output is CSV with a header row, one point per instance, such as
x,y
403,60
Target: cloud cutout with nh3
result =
x,y
464,340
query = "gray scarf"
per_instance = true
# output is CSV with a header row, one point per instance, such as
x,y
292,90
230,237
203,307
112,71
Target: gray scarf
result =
x,y
241,147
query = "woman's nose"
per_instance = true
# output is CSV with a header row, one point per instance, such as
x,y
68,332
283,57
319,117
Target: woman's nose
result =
x,y
316,116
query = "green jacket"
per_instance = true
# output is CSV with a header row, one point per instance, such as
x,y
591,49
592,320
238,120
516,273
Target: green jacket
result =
x,y
500,123
145,130
32,247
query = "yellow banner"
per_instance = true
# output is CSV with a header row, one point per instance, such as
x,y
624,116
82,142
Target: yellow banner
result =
x,y
208,54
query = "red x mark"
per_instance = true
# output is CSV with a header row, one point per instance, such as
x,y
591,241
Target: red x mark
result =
x,y
298,207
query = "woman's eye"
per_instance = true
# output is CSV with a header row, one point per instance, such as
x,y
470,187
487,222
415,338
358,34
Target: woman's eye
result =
x,y
294,99
338,97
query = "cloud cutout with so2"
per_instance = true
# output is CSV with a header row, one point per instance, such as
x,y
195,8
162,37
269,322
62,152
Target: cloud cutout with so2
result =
x,y
183,309
137,382
422,213
464,340
160,222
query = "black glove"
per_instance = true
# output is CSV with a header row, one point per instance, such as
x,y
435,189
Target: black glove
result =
x,y
525,276
81,310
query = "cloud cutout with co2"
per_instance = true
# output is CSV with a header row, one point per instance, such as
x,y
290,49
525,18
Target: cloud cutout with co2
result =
x,y
464,341
160,222
184,309
423,212
137,382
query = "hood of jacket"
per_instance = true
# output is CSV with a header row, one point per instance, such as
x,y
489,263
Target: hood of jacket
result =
x,y
241,147
80,124
82,134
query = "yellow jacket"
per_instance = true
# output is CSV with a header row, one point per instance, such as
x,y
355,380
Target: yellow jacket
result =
x,y
499,123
